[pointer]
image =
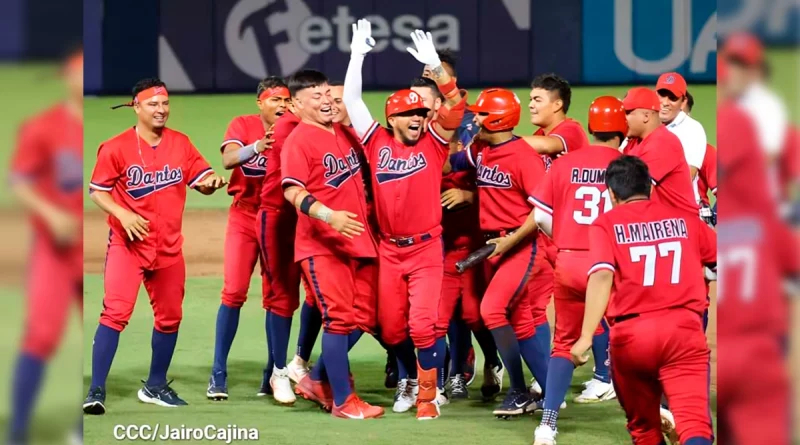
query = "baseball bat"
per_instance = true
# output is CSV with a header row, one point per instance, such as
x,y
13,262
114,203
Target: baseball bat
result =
x,y
475,257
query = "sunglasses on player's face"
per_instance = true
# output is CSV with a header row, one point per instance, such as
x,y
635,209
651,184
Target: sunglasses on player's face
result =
x,y
412,113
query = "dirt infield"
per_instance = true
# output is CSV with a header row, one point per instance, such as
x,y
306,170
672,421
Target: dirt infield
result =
x,y
204,233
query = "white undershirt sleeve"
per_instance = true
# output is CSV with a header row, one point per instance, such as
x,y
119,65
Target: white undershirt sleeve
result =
x,y
356,108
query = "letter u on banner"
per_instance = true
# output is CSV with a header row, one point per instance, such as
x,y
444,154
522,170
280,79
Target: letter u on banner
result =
x,y
681,38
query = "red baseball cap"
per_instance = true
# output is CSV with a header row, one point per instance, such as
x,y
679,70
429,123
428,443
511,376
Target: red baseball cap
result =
x,y
745,47
672,82
641,97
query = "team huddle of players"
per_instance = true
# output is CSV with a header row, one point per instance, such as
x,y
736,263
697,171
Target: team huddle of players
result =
x,y
373,218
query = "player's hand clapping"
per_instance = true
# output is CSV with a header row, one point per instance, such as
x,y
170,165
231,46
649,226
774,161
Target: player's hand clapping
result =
x,y
265,143
133,224
213,181
425,51
362,38
345,223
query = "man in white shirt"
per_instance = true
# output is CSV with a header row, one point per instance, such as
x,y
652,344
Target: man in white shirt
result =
x,y
671,89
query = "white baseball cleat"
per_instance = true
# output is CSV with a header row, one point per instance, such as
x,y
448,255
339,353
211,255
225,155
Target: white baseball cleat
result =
x,y
536,388
596,391
282,387
544,435
298,368
441,398
668,426
405,397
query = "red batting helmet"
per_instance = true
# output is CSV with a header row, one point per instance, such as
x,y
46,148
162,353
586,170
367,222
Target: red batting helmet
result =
x,y
607,115
501,105
402,101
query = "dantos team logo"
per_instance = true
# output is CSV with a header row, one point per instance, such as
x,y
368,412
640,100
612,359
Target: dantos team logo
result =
x,y
338,170
492,176
255,167
391,169
141,183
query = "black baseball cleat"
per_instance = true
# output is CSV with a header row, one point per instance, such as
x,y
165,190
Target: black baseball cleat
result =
x,y
217,386
94,403
266,388
516,403
458,387
161,395
390,381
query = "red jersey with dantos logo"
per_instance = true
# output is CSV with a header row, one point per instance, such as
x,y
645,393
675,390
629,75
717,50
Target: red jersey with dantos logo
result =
x,y
246,179
460,224
507,174
707,175
327,165
574,194
151,182
571,134
406,180
663,153
657,254
271,190
49,156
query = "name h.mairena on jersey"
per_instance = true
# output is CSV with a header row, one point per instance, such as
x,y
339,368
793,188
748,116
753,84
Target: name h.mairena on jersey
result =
x,y
338,170
650,231
588,176
390,168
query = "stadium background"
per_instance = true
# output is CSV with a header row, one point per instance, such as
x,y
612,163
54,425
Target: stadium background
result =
x,y
194,48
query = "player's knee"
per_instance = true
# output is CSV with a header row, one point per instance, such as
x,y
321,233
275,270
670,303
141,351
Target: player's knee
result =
x,y
493,316
524,331
41,343
234,300
393,334
167,327
423,338
116,323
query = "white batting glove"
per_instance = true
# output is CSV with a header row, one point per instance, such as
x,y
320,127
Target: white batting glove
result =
x,y
362,38
425,52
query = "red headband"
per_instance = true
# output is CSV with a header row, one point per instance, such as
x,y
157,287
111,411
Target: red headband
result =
x,y
276,91
150,93
144,96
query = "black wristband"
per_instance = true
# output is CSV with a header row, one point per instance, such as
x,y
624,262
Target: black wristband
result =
x,y
308,201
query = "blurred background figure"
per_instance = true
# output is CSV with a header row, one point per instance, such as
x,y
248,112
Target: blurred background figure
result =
x,y
46,178
758,257
41,134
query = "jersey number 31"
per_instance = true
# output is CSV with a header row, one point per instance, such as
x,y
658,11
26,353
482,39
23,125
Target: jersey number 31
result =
x,y
591,197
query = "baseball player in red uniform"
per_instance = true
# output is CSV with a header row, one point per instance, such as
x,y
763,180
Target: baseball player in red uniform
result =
x,y
508,171
321,167
567,202
660,149
406,165
550,100
653,256
139,180
245,141
46,176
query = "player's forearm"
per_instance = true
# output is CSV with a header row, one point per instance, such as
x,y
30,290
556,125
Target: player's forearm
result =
x,y
32,201
235,155
106,203
205,190
447,86
359,114
546,145
306,203
598,291
524,230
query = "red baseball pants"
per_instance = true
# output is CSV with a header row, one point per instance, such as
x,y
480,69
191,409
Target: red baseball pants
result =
x,y
344,289
540,285
759,360
409,291
276,229
570,300
122,279
662,352
55,283
241,254
457,287
506,299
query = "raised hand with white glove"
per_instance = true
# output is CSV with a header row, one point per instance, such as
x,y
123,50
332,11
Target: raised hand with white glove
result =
x,y
362,42
424,51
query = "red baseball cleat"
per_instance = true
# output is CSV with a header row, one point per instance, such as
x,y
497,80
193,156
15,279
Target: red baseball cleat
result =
x,y
357,409
315,391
